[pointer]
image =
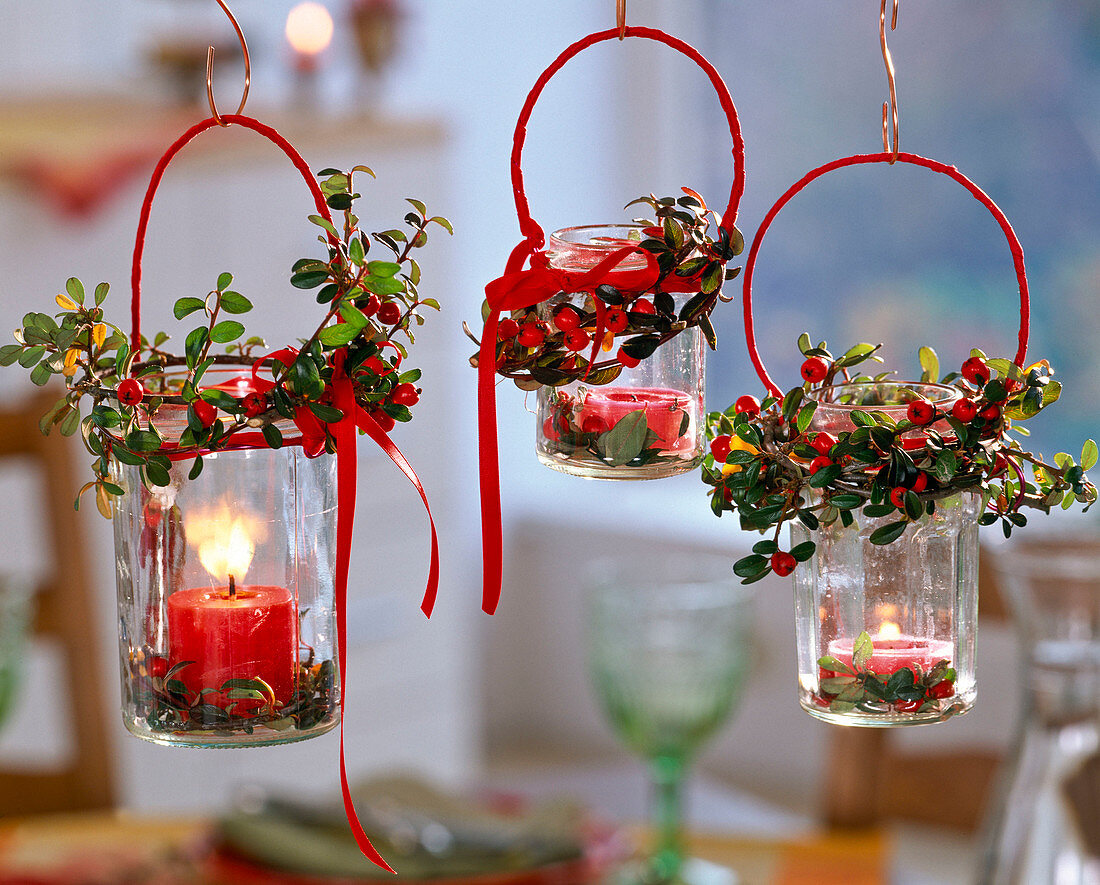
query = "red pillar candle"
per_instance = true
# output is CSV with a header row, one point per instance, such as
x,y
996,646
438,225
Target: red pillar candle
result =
x,y
250,634
895,652
664,411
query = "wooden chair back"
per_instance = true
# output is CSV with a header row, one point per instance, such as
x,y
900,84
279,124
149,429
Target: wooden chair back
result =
x,y
66,613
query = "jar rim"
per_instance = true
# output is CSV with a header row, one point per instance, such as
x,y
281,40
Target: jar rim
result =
x,y
580,236
927,390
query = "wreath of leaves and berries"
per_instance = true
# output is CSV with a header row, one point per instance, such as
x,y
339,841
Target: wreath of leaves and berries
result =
x,y
766,465
373,307
536,350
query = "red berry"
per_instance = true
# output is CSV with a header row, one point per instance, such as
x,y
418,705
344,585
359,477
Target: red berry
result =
x,y
921,412
747,405
550,431
158,667
990,413
940,690
966,410
824,442
783,563
815,369
975,371
507,329
626,359
616,320
594,424
643,306
254,404
908,706
820,462
531,335
567,318
207,413
375,365
897,497
921,482
405,395
577,339
389,313
371,305
383,420
720,448
130,392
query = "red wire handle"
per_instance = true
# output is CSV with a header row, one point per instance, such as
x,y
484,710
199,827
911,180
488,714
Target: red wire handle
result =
x,y
862,159
158,174
343,430
530,229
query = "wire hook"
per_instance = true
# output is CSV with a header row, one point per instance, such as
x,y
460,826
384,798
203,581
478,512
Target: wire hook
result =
x,y
620,18
210,69
888,60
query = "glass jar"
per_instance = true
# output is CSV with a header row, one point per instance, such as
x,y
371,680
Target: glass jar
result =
x,y
648,422
227,629
1044,823
886,633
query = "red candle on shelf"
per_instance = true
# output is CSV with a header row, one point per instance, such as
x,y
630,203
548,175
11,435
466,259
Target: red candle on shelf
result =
x,y
664,411
235,631
892,652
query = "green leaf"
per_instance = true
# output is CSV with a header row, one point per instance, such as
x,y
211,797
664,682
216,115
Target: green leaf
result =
x,y
888,533
641,347
31,356
328,414
308,279
235,302
765,548
226,331
41,374
847,501
355,251
196,341
930,364
101,293
143,441
1088,455
272,436
383,268
418,206
338,335
383,285
862,651
225,280
75,288
749,566
828,662
185,306
9,353
196,469
805,416
70,423
326,224
443,223
156,474
861,418
803,551
625,441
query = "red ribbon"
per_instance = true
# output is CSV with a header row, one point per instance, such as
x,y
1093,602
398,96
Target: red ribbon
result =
x,y
313,434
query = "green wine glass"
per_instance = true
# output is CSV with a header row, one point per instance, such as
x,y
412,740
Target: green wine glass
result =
x,y
15,615
668,650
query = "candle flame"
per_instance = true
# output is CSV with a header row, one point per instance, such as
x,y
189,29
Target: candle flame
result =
x,y
226,542
889,630
309,28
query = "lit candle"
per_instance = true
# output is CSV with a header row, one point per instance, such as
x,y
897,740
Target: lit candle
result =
x,y
309,29
234,630
664,411
894,650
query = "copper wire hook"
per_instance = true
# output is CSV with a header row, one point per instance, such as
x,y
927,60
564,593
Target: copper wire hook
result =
x,y
210,69
888,60
620,18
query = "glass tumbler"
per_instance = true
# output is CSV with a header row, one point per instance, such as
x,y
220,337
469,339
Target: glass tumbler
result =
x,y
227,629
886,634
648,422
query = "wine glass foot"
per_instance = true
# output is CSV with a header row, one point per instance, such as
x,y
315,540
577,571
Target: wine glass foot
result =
x,y
693,871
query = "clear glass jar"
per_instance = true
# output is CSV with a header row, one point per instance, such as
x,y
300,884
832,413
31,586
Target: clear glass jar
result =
x,y
1044,823
886,634
227,625
647,423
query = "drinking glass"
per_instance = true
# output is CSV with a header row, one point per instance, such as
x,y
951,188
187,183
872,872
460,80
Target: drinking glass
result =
x,y
668,649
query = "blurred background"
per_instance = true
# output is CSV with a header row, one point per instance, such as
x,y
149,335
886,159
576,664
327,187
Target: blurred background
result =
x,y
426,93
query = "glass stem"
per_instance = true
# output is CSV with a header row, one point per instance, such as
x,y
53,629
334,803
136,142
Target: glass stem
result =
x,y
667,773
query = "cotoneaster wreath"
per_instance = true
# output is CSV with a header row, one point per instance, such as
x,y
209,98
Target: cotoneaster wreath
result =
x,y
767,466
373,307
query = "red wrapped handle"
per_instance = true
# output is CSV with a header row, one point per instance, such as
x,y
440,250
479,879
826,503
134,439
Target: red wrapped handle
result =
x,y
530,229
863,159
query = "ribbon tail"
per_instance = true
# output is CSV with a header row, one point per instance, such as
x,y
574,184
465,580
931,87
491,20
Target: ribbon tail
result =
x,y
369,426
346,471
492,531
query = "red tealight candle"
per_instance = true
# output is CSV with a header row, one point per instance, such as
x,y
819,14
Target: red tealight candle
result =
x,y
895,652
249,633
664,411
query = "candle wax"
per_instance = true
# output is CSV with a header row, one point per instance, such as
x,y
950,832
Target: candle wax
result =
x,y
890,655
253,634
664,408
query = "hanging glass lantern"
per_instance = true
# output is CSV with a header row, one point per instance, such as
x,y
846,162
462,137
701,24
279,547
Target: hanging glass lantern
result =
x,y
886,632
648,422
226,598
